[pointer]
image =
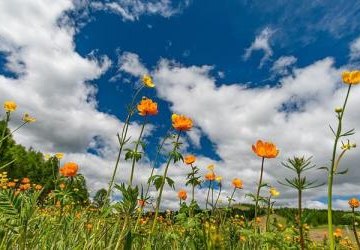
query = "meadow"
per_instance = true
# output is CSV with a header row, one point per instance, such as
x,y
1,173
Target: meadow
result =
x,y
44,202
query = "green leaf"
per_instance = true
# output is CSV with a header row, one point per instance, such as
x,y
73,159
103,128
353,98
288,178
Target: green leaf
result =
x,y
342,172
170,182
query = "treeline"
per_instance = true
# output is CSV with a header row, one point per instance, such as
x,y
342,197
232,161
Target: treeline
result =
x,y
19,162
316,217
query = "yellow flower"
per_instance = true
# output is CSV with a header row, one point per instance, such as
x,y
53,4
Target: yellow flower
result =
x,y
47,156
10,106
59,155
218,178
338,233
274,192
351,77
27,118
148,82
211,167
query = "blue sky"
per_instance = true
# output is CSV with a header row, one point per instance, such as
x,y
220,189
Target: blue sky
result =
x,y
244,70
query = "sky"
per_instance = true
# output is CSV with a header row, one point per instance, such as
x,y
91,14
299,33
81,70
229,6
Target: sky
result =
x,y
243,70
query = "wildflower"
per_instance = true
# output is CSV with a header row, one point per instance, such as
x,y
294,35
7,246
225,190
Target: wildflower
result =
x,y
141,203
181,122
237,183
10,106
182,194
273,191
62,186
47,156
25,180
69,169
210,167
338,233
265,149
218,178
147,81
25,186
354,203
76,189
59,155
11,184
4,187
210,176
351,77
338,110
27,118
89,226
147,107
189,159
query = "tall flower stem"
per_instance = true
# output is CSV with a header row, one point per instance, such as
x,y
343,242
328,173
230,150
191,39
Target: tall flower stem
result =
x,y
135,151
162,186
258,190
122,140
5,127
301,228
354,228
231,197
193,185
217,199
332,171
208,193
268,214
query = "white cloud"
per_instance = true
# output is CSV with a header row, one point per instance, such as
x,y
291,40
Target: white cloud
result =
x,y
131,10
261,42
281,66
53,85
233,117
130,63
355,49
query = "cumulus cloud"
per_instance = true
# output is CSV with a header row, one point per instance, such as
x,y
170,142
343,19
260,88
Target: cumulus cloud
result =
x,y
233,117
131,10
52,83
282,65
261,42
355,49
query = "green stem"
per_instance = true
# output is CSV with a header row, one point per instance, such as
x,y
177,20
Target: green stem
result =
x,y
5,127
268,214
231,197
301,231
354,229
122,141
258,191
217,199
162,187
193,185
135,151
207,197
12,132
331,172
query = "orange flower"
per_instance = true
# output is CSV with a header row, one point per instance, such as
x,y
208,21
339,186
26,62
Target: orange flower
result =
x,y
354,203
237,183
265,149
351,77
338,233
189,159
69,169
11,184
25,186
38,187
182,194
181,122
147,107
141,203
210,176
25,180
